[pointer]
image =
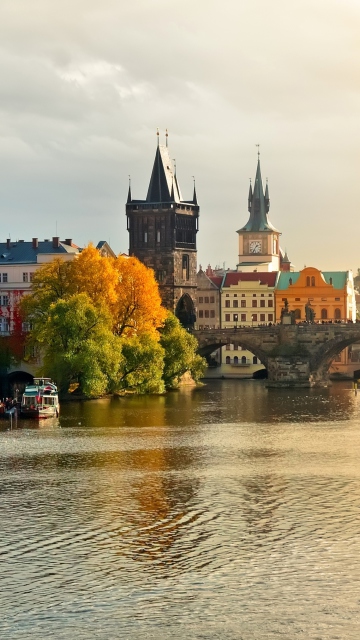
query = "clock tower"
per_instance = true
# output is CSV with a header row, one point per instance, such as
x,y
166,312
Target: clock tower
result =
x,y
259,248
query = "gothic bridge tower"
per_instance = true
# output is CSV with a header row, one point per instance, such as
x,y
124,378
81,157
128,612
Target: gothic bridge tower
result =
x,y
162,234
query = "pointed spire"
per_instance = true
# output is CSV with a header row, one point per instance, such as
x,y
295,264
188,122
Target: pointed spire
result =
x,y
267,199
194,200
258,204
172,195
166,136
250,197
129,191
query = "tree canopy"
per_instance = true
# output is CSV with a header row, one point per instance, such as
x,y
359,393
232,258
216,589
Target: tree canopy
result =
x,y
98,321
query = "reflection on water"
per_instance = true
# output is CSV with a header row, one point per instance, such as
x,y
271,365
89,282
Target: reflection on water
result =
x,y
230,511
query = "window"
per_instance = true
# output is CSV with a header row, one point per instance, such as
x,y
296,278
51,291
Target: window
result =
x,y
185,267
262,303
262,317
227,295
26,327
158,236
337,299
324,314
227,303
206,313
212,299
4,277
254,303
31,274
145,236
297,314
4,301
236,360
243,303
201,300
201,313
212,313
243,317
270,303
270,317
235,317
297,299
255,360
206,299
313,281
337,314
254,295
308,281
243,295
235,303
227,317
337,358
254,317
243,360
262,294
227,360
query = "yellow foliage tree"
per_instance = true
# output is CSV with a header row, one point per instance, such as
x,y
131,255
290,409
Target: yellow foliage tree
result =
x,y
95,275
138,304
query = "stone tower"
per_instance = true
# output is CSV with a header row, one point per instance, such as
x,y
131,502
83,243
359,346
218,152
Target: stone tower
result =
x,y
162,234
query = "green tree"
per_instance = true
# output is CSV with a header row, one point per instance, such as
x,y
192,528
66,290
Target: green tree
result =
x,y
180,353
79,346
142,365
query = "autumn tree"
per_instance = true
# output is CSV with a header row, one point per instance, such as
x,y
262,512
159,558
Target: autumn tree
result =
x,y
138,306
181,355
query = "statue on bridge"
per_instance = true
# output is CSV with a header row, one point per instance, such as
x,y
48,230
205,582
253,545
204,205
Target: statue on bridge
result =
x,y
286,316
309,312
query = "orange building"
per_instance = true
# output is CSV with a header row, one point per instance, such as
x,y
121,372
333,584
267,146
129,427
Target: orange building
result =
x,y
327,294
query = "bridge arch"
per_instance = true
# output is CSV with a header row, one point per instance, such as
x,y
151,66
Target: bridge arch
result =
x,y
211,342
324,355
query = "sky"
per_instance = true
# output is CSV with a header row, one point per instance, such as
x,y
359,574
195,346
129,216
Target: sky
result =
x,y
86,83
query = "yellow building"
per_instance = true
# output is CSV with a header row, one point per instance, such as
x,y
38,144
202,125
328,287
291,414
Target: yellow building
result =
x,y
314,295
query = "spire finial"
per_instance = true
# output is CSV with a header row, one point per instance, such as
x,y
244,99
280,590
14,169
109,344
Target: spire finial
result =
x,y
166,136
157,135
129,190
258,150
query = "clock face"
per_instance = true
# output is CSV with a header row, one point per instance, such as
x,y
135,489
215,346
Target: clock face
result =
x,y
255,246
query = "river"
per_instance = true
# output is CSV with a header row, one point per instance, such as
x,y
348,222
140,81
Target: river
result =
x,y
230,511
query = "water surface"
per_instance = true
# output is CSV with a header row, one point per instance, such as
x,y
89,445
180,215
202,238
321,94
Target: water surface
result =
x,y
230,511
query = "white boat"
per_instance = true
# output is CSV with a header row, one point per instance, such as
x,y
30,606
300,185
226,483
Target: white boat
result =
x,y
40,400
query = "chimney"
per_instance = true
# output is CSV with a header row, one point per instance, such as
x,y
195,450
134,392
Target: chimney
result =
x,y
68,241
35,243
55,242
8,243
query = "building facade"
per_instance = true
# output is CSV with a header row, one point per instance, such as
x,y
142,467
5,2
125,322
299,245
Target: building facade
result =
x,y
314,295
162,234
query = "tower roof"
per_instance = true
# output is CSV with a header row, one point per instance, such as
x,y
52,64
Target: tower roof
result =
x,y
259,205
163,185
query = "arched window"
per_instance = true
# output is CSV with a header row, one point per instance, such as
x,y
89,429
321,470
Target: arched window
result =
x,y
243,360
297,314
308,281
313,281
236,360
227,360
255,360
337,314
323,314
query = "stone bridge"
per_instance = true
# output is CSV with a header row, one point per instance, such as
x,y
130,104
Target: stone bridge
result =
x,y
294,355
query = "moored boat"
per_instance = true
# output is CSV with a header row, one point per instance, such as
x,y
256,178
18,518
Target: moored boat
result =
x,y
40,400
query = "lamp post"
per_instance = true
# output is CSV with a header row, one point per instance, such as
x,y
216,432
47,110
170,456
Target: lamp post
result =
x,y
236,320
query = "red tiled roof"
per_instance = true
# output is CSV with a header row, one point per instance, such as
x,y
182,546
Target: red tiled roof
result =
x,y
216,280
266,277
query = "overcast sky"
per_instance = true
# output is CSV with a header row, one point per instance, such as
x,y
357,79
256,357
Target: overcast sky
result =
x,y
85,84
